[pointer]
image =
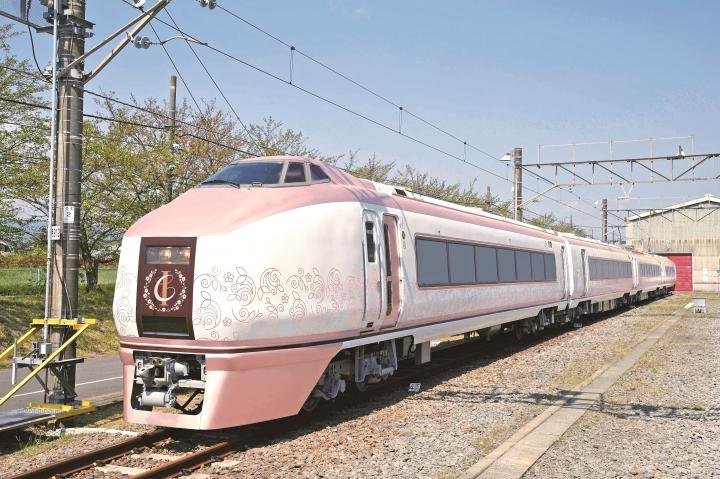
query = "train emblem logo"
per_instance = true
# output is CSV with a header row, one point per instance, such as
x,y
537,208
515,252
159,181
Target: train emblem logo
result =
x,y
165,290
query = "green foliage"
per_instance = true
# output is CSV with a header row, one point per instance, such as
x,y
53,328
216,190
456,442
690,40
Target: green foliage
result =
x,y
24,135
423,183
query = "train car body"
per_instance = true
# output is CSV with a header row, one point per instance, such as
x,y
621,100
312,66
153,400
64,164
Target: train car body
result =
x,y
281,281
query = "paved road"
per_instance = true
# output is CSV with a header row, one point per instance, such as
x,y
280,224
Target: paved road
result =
x,y
97,377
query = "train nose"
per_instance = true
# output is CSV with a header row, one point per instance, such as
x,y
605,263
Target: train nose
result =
x,y
165,287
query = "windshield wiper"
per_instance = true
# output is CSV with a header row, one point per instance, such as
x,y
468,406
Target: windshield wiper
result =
x,y
218,181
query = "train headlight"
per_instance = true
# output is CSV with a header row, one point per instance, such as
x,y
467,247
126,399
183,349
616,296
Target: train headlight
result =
x,y
167,255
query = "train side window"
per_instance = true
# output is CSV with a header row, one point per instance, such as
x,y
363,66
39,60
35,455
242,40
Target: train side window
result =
x,y
317,174
295,173
550,269
524,270
506,265
432,262
370,241
486,264
462,263
538,266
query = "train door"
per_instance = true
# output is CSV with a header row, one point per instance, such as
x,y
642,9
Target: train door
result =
x,y
371,254
391,273
586,278
564,274
635,274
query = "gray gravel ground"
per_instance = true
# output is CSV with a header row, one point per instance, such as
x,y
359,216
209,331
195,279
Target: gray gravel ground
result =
x,y
662,419
458,418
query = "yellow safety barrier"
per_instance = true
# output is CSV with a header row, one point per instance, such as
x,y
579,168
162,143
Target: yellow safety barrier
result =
x,y
37,324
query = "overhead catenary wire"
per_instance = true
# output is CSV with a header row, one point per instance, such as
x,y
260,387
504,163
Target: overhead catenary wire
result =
x,y
320,97
248,153
402,109
217,87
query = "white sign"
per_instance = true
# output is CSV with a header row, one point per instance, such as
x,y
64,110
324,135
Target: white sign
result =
x,y
414,387
55,233
68,214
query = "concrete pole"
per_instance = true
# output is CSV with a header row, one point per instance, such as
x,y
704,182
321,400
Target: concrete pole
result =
x,y
172,125
71,44
517,183
604,220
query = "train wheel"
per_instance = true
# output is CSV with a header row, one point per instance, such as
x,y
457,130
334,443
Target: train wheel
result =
x,y
311,404
361,387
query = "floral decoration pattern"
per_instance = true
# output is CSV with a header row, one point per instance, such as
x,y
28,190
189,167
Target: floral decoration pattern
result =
x,y
124,303
229,298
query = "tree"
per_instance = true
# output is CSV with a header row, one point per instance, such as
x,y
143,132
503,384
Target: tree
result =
x,y
423,183
24,132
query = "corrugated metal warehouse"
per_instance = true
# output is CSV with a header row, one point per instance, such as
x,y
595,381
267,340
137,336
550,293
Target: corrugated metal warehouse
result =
x,y
687,233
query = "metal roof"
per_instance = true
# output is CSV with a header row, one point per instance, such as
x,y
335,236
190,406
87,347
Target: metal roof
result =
x,y
698,201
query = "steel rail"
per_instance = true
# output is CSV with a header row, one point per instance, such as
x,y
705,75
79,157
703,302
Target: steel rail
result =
x,y
79,463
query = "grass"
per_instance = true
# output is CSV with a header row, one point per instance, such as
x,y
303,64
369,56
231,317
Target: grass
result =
x,y
19,281
17,309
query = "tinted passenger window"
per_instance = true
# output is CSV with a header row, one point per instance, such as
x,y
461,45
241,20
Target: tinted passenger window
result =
x,y
432,262
486,264
522,259
295,173
538,266
550,271
317,174
462,263
506,265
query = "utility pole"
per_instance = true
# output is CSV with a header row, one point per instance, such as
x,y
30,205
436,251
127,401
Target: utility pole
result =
x,y
517,183
172,101
71,34
604,220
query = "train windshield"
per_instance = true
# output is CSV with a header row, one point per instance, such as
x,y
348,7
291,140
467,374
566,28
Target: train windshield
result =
x,y
251,173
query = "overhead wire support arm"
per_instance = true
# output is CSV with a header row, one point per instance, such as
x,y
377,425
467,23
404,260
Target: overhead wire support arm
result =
x,y
137,24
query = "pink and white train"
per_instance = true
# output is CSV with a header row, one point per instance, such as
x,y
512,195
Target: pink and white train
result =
x,y
281,281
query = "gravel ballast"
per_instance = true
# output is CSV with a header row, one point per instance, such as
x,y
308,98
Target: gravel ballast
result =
x,y
459,416
662,419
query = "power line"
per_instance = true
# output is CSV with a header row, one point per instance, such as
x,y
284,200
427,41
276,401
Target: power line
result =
x,y
250,154
320,97
212,79
177,70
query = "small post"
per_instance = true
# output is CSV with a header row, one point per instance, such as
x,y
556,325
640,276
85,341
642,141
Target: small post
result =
x,y
517,183
604,220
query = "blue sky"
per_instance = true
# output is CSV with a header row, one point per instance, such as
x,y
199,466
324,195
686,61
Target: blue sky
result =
x,y
500,74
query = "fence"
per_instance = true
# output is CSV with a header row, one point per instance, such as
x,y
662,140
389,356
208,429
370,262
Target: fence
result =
x,y
32,280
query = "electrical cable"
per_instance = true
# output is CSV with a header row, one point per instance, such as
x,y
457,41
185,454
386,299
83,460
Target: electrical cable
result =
x,y
365,117
222,93
32,41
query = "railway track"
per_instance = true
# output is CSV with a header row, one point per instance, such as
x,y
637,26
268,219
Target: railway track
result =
x,y
218,446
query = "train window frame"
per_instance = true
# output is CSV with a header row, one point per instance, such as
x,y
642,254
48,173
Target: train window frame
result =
x,y
501,276
292,163
494,258
419,262
457,247
540,266
313,167
499,253
370,243
551,261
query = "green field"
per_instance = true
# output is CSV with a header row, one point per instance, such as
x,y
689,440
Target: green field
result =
x,y
14,281
22,298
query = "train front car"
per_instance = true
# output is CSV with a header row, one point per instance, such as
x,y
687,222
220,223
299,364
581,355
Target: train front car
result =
x,y
229,297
